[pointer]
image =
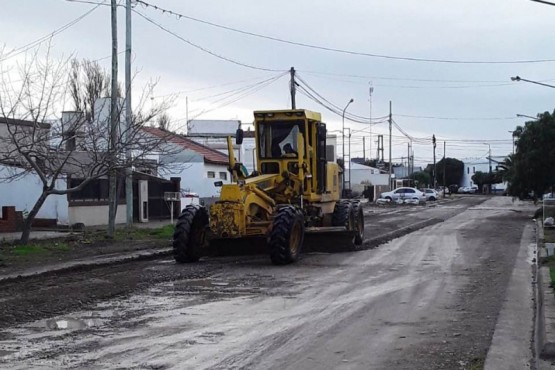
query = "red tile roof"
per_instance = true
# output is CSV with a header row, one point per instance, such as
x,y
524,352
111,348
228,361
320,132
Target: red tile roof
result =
x,y
210,155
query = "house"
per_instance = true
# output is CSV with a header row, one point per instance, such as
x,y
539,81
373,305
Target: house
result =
x,y
484,165
19,187
214,134
197,165
368,178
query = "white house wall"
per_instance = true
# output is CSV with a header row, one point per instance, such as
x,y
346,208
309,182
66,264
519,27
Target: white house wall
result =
x,y
195,179
471,167
24,192
95,215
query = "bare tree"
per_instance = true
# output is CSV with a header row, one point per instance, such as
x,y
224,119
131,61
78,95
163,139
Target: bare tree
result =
x,y
34,140
88,82
164,121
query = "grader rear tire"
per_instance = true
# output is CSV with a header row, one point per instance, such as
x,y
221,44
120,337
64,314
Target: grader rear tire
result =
x,y
359,224
287,236
189,235
343,215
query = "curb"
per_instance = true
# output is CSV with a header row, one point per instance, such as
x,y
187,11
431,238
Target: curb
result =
x,y
84,265
545,315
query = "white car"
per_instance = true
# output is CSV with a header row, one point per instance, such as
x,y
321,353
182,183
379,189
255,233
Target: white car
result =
x,y
188,197
404,194
431,194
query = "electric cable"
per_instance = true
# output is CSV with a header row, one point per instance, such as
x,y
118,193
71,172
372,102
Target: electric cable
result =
x,y
203,48
337,50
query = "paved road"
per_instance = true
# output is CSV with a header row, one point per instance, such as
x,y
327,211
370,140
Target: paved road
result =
x,y
428,300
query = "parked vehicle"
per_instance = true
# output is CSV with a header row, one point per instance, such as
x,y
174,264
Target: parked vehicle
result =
x,y
188,197
404,193
472,189
431,194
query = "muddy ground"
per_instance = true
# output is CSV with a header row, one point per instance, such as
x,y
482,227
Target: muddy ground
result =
x,y
428,300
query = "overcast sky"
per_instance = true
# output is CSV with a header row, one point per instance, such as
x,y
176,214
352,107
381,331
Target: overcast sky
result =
x,y
454,101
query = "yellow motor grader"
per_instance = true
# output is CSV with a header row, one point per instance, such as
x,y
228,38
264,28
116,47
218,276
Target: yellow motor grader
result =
x,y
293,190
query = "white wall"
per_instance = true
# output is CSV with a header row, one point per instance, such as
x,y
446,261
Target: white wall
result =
x,y
195,178
24,192
471,167
95,215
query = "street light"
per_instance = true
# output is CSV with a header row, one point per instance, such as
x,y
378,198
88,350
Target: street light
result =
x,y
343,132
526,116
518,78
543,2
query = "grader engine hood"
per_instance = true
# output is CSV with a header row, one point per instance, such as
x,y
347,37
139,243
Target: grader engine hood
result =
x,y
243,209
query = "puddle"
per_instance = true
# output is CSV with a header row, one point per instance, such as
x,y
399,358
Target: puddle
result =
x,y
72,324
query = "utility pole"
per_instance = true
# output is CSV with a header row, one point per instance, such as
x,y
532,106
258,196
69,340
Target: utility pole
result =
x,y
187,114
371,91
390,164
444,170
408,162
380,148
434,171
350,162
113,198
128,117
293,87
364,148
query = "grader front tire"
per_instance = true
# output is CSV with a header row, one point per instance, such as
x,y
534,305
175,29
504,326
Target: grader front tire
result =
x,y
287,236
189,234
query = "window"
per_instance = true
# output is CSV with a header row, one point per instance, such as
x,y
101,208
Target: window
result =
x,y
223,175
409,191
468,170
211,174
473,169
279,139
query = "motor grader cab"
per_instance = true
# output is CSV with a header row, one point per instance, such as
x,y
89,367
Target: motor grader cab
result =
x,y
294,190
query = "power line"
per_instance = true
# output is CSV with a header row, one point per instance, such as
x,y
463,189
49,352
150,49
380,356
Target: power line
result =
x,y
203,48
42,39
206,88
238,94
459,118
337,50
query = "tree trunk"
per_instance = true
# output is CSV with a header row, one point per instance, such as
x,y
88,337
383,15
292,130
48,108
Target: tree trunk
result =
x,y
31,217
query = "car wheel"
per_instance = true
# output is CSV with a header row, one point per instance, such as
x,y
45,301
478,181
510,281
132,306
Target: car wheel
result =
x,y
388,198
432,199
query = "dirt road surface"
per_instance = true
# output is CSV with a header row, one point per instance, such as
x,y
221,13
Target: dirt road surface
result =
x,y
427,300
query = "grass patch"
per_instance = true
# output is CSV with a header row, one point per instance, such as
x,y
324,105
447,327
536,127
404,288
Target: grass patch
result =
x,y
134,233
476,364
39,248
25,250
165,232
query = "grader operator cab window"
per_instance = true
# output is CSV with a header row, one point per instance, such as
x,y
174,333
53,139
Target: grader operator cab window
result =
x,y
279,139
